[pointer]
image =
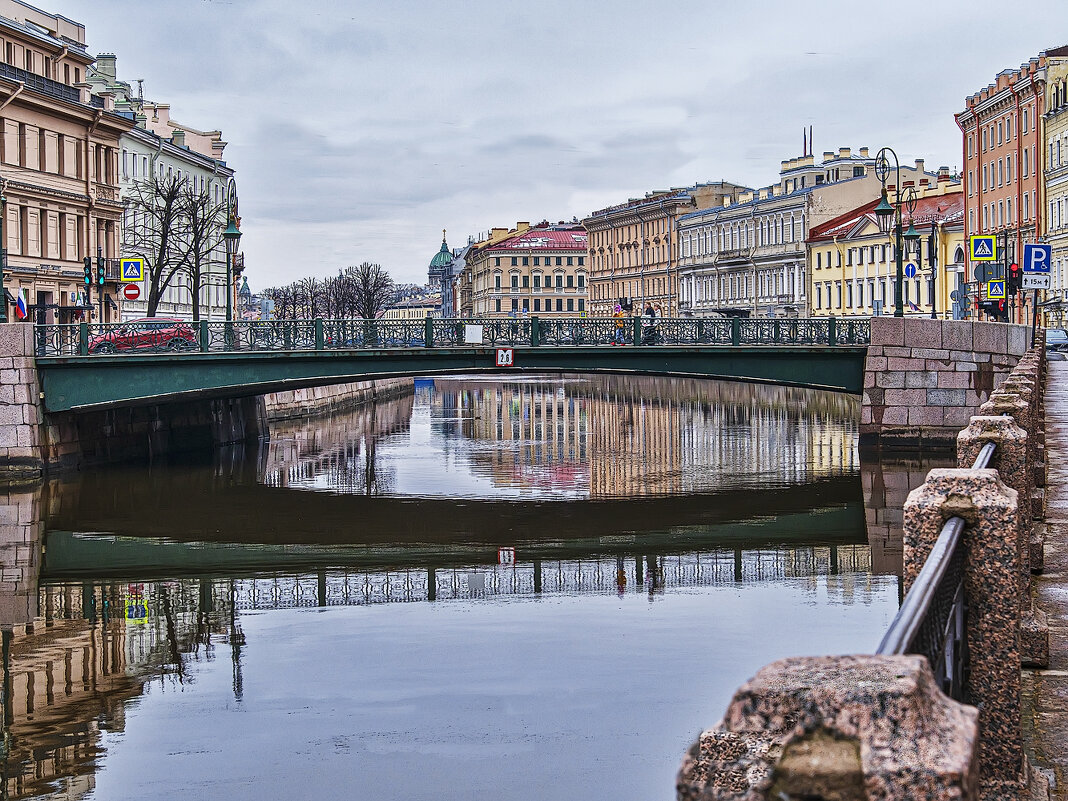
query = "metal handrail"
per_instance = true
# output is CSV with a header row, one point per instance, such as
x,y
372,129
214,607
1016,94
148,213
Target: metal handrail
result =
x,y
913,620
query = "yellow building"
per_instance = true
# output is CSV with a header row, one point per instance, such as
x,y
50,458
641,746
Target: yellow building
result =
x,y
538,270
1055,137
852,266
414,309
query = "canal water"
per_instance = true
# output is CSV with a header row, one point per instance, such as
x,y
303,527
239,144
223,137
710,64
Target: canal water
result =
x,y
523,589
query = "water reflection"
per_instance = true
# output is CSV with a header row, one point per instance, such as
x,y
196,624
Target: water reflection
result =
x,y
329,595
588,437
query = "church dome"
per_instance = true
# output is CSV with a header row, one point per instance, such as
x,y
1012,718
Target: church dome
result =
x,y
443,258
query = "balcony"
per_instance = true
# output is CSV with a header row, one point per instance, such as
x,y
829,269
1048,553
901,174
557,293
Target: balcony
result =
x,y
39,83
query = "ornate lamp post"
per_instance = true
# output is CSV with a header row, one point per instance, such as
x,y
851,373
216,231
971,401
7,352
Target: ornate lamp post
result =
x,y
231,236
3,250
890,217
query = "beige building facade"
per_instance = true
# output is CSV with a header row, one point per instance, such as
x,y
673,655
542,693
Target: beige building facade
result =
x,y
59,169
633,247
536,270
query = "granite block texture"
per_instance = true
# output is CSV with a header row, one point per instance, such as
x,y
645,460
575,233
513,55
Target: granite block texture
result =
x,y
846,727
992,589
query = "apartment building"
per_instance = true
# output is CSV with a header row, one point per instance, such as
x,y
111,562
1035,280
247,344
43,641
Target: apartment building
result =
x,y
59,169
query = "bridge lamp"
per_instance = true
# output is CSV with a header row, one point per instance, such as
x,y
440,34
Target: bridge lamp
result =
x,y
884,213
231,236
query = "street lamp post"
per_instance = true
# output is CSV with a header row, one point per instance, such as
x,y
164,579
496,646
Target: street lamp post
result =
x,y
890,216
3,250
231,237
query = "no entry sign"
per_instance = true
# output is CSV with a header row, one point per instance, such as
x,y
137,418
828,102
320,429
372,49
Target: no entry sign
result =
x,y
131,291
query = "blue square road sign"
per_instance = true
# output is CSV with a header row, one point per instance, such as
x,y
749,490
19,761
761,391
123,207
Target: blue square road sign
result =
x,y
1037,258
983,248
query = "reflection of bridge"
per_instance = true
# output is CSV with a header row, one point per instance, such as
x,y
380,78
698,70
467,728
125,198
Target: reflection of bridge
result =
x,y
595,576
248,359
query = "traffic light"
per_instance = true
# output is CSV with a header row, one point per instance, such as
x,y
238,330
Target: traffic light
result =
x,y
88,262
100,270
1012,280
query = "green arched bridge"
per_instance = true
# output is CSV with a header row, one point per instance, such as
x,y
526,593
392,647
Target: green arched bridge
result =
x,y
83,367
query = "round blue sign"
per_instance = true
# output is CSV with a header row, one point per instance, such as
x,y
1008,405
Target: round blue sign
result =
x,y
910,270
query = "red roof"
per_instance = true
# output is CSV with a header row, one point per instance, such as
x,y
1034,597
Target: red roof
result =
x,y
938,208
573,239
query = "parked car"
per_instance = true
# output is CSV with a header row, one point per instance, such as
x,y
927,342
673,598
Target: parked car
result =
x,y
1056,339
146,332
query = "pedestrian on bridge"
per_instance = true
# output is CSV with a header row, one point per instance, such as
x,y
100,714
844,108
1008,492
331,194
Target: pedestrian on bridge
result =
x,y
621,329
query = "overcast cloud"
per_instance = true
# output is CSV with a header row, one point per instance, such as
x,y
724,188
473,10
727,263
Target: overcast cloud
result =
x,y
360,129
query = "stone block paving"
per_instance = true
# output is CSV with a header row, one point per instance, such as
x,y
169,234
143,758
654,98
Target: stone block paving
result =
x,y
1045,692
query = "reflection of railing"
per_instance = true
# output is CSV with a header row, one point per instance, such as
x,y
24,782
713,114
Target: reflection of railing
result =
x,y
589,576
170,336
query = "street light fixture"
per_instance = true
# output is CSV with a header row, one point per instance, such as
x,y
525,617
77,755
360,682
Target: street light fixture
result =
x,y
231,236
890,215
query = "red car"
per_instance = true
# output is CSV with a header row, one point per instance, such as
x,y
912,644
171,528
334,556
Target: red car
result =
x,y
156,333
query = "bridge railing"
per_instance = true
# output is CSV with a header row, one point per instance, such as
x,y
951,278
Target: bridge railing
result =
x,y
164,335
936,710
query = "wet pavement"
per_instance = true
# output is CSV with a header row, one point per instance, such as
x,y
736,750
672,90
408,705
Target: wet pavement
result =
x,y
1046,691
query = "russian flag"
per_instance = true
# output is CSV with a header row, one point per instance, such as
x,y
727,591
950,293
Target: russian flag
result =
x,y
20,305
913,306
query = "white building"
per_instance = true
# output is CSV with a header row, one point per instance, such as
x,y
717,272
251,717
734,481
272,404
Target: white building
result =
x,y
161,146
749,258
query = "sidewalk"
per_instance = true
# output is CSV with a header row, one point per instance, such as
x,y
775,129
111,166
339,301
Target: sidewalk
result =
x,y
1045,692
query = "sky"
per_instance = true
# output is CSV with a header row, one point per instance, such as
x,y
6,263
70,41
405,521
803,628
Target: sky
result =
x,y
359,130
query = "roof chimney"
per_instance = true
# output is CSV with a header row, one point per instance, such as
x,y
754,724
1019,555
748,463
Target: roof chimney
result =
x,y
105,65
864,153
178,137
844,152
919,165
943,175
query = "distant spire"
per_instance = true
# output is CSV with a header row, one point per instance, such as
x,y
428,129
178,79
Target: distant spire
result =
x,y
804,142
443,236
811,141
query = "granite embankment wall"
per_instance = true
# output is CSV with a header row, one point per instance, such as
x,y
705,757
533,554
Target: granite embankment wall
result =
x,y
316,401
924,379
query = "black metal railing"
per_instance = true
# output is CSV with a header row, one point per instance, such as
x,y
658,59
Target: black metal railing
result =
x,y
933,615
160,334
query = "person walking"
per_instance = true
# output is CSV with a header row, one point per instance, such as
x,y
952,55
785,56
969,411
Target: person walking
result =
x,y
621,338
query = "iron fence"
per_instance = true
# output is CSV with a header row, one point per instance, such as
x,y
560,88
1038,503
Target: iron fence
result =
x,y
934,614
164,335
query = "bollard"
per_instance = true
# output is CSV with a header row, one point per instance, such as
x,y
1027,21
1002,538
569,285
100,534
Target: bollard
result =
x,y
849,728
992,589
1011,462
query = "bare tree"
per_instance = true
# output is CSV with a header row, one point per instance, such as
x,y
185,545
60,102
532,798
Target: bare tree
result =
x,y
203,220
372,289
156,230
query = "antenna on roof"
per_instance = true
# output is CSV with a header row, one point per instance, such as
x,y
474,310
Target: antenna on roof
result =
x,y
141,89
804,143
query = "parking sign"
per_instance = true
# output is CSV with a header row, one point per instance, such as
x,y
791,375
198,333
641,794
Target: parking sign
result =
x,y
1037,258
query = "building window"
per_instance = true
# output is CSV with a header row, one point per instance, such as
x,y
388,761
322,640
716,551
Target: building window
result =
x,y
515,304
537,261
559,304
582,261
537,282
497,261
537,304
526,305
515,282
582,305
570,304
819,297
496,282
581,281
570,281
515,261
559,280
526,282
497,305
526,261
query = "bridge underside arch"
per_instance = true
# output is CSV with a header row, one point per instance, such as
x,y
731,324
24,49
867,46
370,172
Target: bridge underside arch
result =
x,y
73,384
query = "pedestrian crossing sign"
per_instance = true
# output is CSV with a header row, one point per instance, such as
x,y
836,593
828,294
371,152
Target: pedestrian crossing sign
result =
x,y
133,270
995,290
983,248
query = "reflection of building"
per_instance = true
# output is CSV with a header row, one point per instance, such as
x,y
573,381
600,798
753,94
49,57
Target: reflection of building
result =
x,y
339,449
72,670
